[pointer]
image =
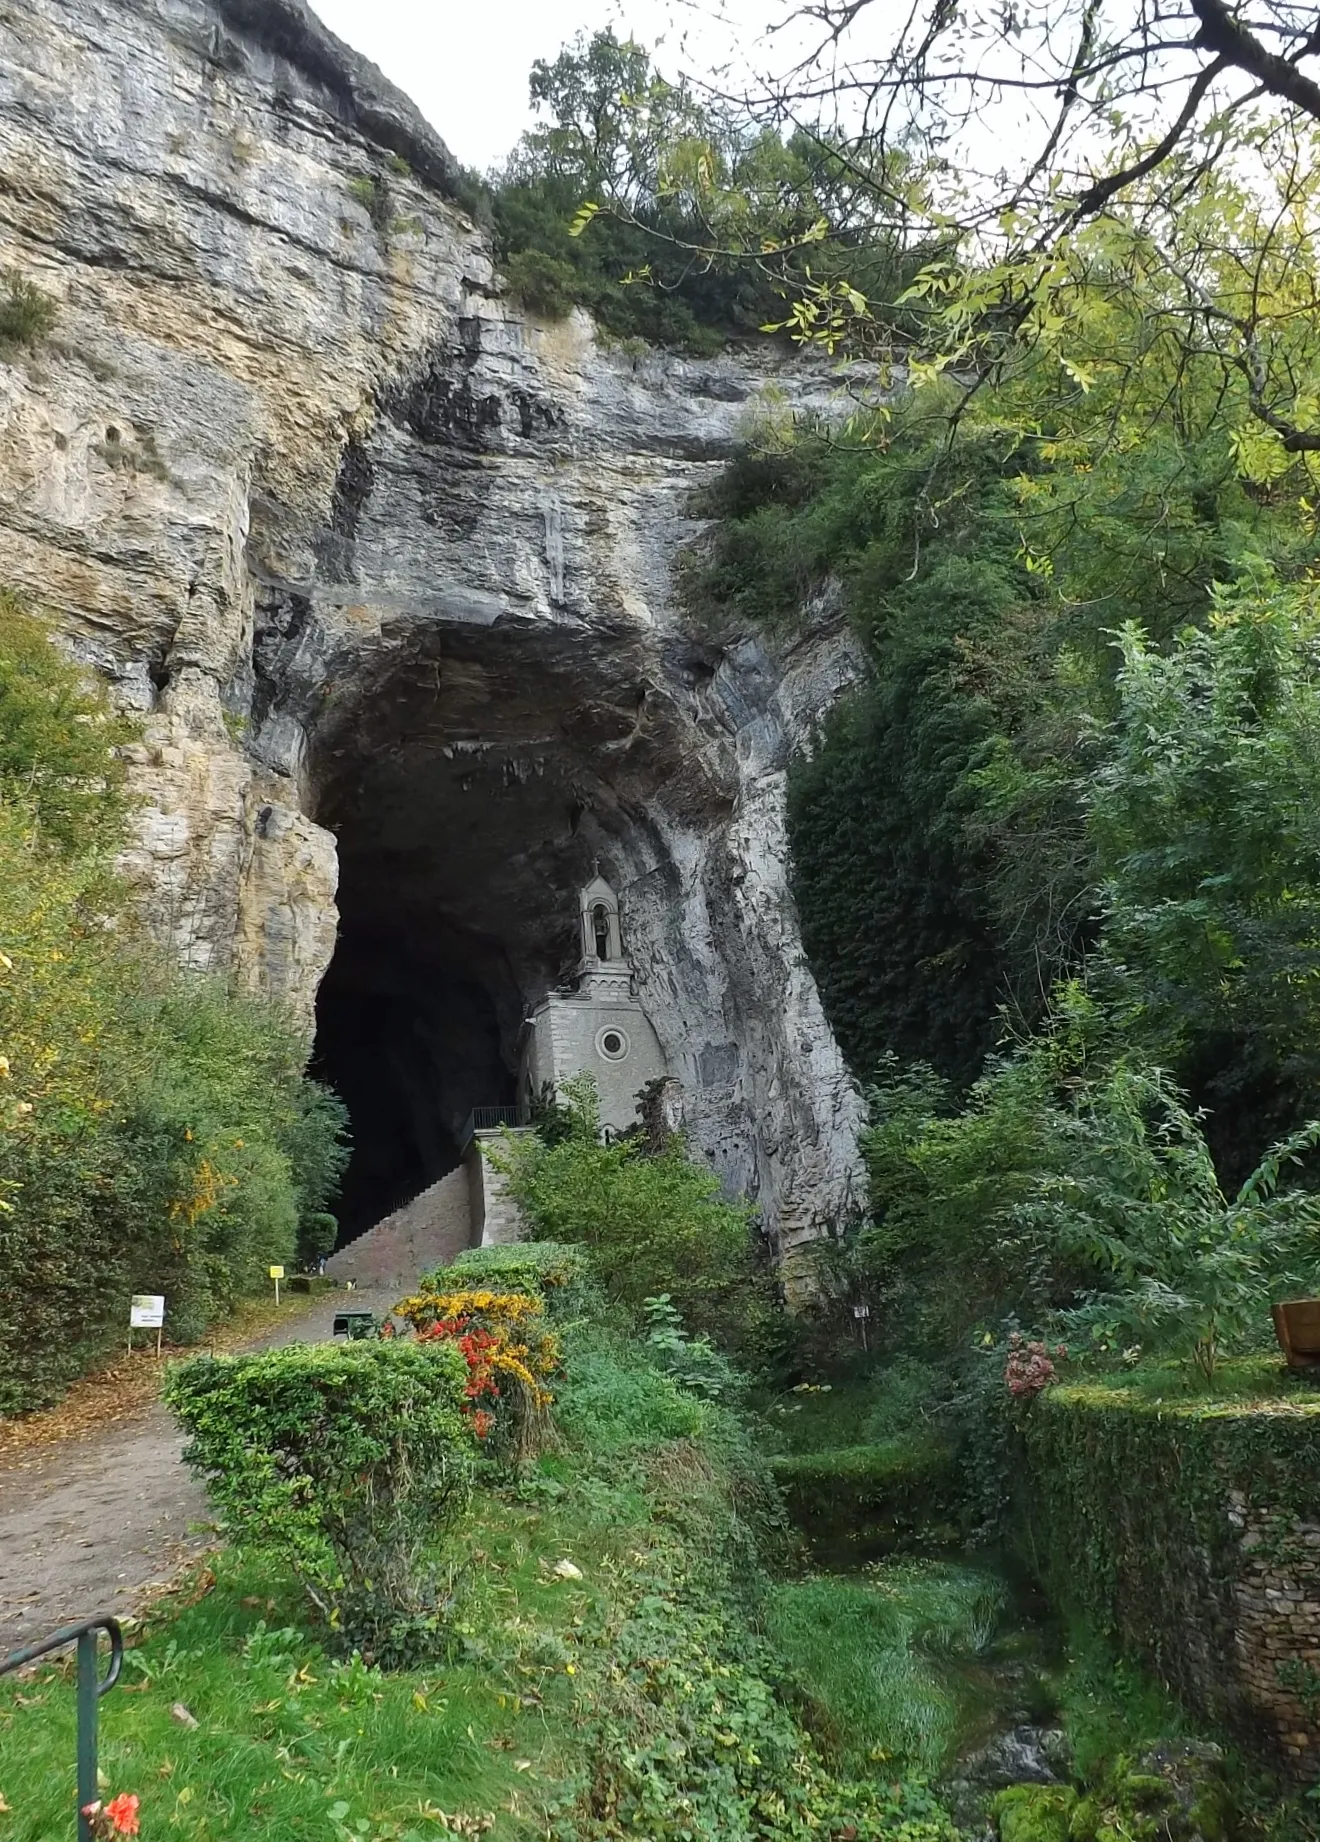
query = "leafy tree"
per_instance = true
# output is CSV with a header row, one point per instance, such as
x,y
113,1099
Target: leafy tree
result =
x,y
157,1133
1203,812
610,203
653,1224
58,737
929,894
1184,1270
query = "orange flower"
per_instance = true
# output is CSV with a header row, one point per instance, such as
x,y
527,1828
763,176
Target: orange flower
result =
x,y
123,1814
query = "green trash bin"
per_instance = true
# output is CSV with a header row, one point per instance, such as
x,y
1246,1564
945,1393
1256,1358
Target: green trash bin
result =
x,y
354,1324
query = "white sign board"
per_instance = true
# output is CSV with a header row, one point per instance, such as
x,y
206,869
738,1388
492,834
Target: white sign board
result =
x,y
146,1312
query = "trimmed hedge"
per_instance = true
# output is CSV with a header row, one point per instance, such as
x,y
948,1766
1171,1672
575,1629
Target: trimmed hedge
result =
x,y
348,1460
546,1269
881,1498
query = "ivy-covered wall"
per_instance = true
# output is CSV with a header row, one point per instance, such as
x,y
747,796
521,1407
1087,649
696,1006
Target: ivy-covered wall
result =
x,y
1190,1532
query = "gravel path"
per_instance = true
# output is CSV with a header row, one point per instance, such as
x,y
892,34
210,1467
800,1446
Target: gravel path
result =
x,y
86,1524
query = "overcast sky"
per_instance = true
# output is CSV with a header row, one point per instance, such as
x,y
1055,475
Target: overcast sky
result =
x,y
465,66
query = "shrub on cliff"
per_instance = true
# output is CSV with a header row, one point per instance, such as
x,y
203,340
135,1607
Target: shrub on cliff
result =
x,y
26,313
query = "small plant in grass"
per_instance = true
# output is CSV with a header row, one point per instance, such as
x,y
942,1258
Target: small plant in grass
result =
x,y
348,1460
693,1362
118,1817
27,314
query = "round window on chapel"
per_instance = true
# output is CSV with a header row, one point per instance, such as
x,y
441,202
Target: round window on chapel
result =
x,y
613,1044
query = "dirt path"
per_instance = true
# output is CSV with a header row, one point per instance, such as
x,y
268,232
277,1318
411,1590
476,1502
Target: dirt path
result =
x,y
86,1523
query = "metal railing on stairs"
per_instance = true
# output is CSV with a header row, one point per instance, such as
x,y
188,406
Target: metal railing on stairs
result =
x,y
90,1690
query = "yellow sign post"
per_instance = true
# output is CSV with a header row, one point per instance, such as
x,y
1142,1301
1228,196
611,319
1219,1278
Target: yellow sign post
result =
x,y
277,1273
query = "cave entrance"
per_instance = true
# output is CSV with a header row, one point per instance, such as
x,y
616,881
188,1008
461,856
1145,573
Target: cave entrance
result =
x,y
463,780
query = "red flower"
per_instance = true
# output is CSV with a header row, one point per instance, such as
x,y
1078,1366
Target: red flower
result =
x,y
123,1813
117,1818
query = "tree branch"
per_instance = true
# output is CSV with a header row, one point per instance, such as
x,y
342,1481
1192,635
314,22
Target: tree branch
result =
x,y
1233,44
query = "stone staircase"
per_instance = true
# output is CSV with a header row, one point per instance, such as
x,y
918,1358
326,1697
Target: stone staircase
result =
x,y
431,1230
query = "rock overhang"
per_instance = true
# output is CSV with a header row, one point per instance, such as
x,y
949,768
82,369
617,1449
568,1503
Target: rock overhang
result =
x,y
351,463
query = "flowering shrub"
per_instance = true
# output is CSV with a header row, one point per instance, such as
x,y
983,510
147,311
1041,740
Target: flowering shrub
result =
x,y
509,1353
1029,1369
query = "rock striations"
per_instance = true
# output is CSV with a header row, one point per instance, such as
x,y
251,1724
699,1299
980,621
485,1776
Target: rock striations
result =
x,y
387,567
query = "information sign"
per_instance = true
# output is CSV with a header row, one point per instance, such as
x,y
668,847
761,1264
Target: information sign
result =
x,y
277,1272
146,1311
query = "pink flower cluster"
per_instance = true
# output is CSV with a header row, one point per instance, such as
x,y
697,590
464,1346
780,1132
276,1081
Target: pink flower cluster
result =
x,y
1029,1368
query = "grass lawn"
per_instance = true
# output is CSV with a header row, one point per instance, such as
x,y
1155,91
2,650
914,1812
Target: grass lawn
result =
x,y
290,1742
607,1678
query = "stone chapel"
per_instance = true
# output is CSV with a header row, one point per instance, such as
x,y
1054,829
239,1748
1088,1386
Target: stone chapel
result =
x,y
598,1026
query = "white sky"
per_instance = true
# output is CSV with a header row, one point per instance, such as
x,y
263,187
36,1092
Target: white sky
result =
x,y
466,64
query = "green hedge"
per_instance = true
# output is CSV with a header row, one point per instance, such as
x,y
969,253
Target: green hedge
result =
x,y
878,1498
348,1460
546,1269
1124,1505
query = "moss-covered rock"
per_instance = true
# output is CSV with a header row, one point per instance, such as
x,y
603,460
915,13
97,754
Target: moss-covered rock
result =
x,y
1034,1812
1172,1794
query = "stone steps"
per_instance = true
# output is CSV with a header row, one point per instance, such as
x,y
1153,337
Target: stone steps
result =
x,y
431,1230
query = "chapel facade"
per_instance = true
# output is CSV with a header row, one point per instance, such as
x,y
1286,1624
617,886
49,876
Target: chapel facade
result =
x,y
598,1026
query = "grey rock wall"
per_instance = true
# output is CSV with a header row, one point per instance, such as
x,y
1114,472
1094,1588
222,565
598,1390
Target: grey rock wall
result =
x,y
387,567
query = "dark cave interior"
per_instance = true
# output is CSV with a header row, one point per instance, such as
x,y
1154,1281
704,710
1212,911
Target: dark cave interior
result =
x,y
463,789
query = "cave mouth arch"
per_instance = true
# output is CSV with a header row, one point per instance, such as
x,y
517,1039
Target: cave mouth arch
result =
x,y
471,778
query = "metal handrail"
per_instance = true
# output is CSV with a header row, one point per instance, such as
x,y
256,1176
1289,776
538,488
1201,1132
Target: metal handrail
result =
x,y
90,1691
489,1118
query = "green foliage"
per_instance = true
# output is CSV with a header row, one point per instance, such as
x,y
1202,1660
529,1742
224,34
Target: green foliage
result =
x,y
1203,810
881,1658
372,192
965,1169
597,207
58,737
684,1728
894,853
864,1500
1137,1198
560,1275
348,1460
26,314
157,1133
693,1362
317,1235
652,1224
1074,1186
1034,1812
614,1401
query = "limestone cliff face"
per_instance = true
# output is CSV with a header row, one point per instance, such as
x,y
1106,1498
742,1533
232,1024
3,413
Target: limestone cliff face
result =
x,y
388,568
